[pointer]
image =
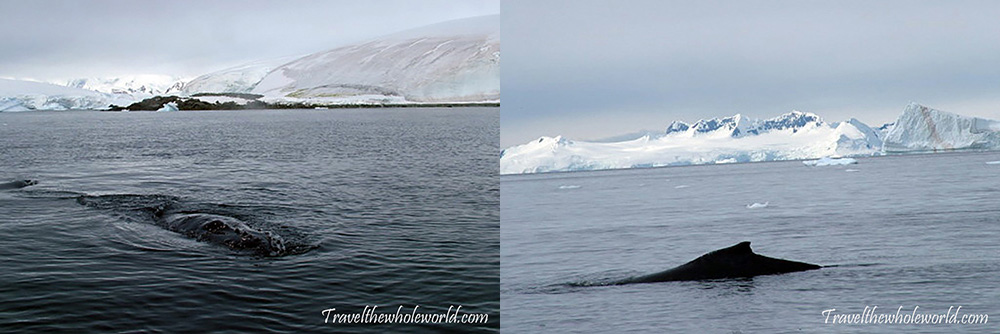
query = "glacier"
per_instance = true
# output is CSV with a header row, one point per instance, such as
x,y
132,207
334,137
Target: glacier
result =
x,y
22,95
82,93
735,139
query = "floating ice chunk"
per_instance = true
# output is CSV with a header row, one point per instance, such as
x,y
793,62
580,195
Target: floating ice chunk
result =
x,y
993,162
852,170
757,205
830,162
169,106
681,186
569,186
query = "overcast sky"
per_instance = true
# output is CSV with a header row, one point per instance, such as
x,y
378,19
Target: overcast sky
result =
x,y
48,39
595,69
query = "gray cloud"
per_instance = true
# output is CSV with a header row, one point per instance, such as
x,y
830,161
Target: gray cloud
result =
x,y
50,39
592,69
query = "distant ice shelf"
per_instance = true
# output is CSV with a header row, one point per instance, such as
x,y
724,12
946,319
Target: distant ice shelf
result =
x,y
791,136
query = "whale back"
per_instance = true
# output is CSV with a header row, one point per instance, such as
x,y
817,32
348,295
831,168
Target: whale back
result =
x,y
740,261
206,222
222,230
17,184
731,262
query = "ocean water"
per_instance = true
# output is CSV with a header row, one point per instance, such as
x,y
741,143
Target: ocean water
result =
x,y
913,231
386,207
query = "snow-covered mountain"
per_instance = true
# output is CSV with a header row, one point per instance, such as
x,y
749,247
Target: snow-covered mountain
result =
x,y
920,128
143,86
455,61
238,79
739,126
20,95
792,136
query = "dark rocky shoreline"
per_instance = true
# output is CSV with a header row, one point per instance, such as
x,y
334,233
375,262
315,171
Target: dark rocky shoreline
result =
x,y
191,103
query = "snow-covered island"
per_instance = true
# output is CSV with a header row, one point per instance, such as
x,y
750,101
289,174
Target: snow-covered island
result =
x,y
454,63
792,136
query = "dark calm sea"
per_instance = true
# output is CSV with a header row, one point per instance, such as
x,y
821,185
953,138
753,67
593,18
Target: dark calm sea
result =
x,y
916,231
387,207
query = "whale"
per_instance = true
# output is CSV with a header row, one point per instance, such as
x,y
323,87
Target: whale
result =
x,y
221,230
737,261
197,221
17,184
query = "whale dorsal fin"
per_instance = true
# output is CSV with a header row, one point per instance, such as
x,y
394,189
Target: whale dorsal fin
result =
x,y
740,248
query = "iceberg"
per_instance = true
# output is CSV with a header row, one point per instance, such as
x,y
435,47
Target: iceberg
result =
x,y
169,106
920,128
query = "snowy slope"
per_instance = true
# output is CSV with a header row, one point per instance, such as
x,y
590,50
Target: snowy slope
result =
x,y
455,61
920,128
19,95
794,135
239,79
